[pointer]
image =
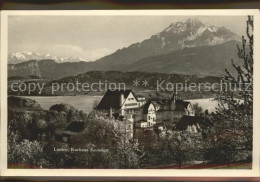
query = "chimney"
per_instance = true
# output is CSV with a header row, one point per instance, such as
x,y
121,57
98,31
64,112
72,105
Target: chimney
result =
x,y
173,106
173,97
122,99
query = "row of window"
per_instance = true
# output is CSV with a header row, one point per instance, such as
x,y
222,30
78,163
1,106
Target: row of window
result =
x,y
149,124
131,104
150,118
132,111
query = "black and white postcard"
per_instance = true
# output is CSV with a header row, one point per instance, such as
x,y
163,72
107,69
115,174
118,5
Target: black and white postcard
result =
x,y
130,93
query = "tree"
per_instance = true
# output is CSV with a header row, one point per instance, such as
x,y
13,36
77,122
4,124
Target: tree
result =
x,y
151,149
198,109
221,151
56,159
103,132
233,121
25,152
181,147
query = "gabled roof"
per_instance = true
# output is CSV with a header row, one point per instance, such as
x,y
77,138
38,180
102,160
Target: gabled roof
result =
x,y
181,105
141,121
186,121
146,106
111,99
157,103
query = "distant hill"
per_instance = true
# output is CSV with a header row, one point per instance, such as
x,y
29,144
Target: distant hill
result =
x,y
24,69
126,78
49,68
204,60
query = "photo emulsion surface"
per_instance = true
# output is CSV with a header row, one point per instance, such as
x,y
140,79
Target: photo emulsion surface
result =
x,y
130,92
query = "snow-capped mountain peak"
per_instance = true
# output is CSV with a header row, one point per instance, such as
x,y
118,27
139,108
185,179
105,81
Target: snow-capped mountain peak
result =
x,y
19,57
193,33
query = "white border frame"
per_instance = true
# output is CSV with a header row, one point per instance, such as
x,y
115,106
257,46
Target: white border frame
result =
x,y
255,172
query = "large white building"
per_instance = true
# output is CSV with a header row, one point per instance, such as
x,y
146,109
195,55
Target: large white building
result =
x,y
142,113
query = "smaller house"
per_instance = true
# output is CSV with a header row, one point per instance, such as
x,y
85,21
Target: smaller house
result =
x,y
141,124
160,126
189,123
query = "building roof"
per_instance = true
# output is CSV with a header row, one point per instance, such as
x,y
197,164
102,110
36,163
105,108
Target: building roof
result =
x,y
157,103
186,121
141,121
111,99
181,105
155,96
70,133
146,106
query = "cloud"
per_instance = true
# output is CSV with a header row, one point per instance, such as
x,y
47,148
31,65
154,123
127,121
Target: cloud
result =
x,y
95,54
68,48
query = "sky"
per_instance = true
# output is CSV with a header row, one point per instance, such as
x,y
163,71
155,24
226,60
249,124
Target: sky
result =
x,y
92,37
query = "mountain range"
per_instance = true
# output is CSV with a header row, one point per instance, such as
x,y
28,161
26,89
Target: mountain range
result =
x,y
180,35
19,57
190,47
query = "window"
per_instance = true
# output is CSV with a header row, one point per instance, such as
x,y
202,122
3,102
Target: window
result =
x,y
131,104
65,139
